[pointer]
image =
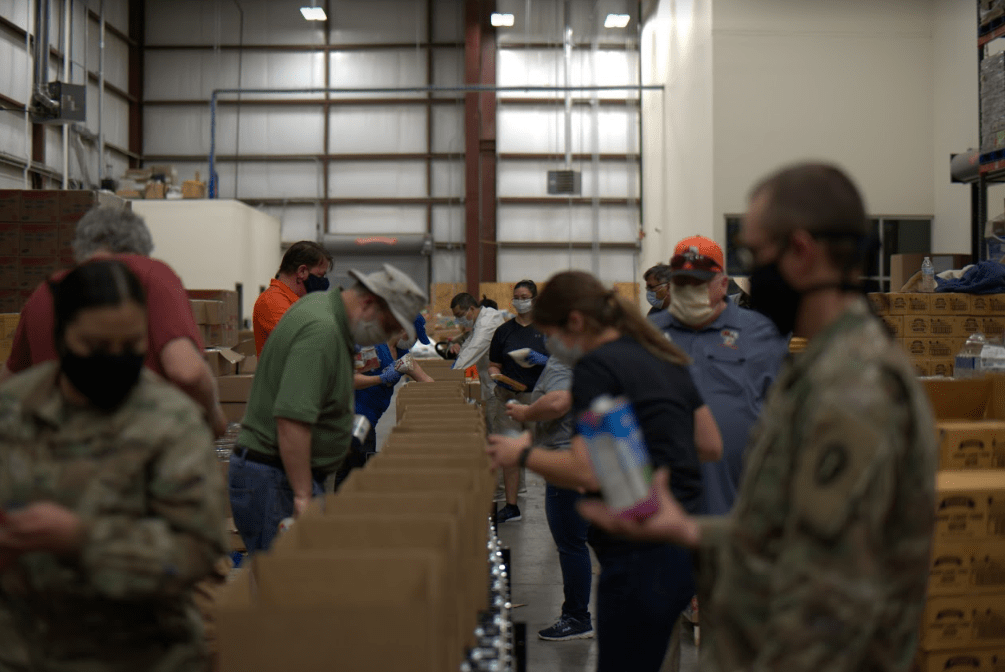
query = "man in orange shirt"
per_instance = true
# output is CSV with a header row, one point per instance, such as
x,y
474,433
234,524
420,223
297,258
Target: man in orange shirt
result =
x,y
303,270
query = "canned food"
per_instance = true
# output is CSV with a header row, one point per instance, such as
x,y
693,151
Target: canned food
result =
x,y
360,427
620,459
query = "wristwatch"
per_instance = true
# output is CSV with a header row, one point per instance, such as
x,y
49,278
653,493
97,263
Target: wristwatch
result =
x,y
524,454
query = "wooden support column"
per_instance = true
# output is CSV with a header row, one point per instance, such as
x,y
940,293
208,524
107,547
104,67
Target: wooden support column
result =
x,y
137,21
472,203
487,150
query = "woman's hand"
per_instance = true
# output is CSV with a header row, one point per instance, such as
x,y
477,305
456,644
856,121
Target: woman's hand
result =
x,y
670,524
517,412
44,526
504,451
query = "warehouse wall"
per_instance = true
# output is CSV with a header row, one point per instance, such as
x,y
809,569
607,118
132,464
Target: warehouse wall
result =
x,y
16,81
678,127
215,244
847,82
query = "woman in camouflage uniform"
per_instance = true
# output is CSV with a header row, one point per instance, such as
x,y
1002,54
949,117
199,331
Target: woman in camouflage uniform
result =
x,y
110,503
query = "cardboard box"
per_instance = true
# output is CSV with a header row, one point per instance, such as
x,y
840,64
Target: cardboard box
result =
x,y
942,367
969,444
38,239
955,622
10,239
248,365
10,300
995,304
948,303
193,189
222,361
980,304
75,204
879,302
895,324
944,327
941,348
313,611
912,326
233,411
961,660
9,272
39,205
922,367
234,388
33,271
228,332
10,205
970,506
967,325
208,312
993,326
910,304
155,190
966,569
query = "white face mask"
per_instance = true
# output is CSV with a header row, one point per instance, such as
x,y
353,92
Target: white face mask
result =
x,y
368,332
404,344
463,321
690,304
523,306
562,352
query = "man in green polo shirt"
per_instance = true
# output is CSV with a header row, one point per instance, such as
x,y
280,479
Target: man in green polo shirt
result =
x,y
296,430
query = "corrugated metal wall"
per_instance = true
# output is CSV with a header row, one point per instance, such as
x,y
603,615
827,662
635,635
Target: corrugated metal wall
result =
x,y
391,164
17,19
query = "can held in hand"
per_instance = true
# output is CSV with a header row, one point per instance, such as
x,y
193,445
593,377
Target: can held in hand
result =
x,y
360,427
619,456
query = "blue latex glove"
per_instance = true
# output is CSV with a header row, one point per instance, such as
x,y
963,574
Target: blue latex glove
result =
x,y
535,358
389,376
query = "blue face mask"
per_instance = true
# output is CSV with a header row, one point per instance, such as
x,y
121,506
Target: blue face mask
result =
x,y
314,283
653,300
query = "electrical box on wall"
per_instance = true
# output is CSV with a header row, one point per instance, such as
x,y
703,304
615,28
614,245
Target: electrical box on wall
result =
x,y
71,104
565,182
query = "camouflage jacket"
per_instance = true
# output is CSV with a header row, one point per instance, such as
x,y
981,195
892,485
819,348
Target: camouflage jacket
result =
x,y
823,563
145,481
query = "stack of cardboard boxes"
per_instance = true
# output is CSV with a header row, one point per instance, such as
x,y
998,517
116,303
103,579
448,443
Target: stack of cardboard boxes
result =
x,y
400,549
8,325
36,235
932,328
964,619
231,358
440,370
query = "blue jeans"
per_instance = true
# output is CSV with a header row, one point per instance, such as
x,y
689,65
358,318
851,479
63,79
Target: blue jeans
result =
x,y
568,529
260,497
642,591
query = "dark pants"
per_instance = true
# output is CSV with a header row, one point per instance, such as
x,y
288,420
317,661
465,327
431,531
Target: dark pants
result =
x,y
260,497
642,591
357,456
568,529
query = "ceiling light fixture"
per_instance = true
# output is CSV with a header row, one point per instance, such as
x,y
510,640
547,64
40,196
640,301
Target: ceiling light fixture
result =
x,y
499,20
314,13
616,21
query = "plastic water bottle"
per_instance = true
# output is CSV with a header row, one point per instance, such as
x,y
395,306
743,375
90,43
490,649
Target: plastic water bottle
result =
x,y
968,359
993,356
927,276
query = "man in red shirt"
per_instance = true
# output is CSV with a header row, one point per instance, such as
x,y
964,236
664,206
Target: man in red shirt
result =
x,y
302,270
175,346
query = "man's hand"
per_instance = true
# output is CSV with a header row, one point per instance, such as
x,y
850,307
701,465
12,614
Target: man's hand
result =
x,y
504,451
44,526
454,349
670,524
517,412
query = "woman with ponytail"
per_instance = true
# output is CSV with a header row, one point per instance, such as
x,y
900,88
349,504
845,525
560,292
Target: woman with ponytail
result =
x,y
613,350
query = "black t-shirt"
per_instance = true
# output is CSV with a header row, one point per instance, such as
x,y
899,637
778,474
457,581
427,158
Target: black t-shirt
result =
x,y
664,399
512,336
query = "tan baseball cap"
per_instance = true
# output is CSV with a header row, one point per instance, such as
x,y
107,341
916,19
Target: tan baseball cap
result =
x,y
402,295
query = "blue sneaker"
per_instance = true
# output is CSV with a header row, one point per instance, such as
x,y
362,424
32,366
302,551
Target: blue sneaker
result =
x,y
567,627
510,512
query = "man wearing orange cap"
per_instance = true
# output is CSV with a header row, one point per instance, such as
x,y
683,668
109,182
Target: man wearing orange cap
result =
x,y
736,354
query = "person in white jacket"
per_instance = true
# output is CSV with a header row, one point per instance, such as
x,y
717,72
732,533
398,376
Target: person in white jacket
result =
x,y
483,322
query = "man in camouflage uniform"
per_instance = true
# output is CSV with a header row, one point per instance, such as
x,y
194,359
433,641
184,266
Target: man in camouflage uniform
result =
x,y
823,562
142,486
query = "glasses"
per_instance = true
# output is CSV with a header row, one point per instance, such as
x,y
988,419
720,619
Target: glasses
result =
x,y
655,287
695,262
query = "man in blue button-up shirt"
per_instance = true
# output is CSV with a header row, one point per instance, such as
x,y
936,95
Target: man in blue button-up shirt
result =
x,y
736,352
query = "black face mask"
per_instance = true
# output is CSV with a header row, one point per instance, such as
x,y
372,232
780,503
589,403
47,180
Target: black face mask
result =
x,y
772,295
315,284
106,380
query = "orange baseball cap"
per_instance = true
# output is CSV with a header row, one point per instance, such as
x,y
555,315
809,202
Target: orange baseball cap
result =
x,y
697,257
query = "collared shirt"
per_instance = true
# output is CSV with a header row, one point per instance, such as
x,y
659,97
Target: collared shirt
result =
x,y
270,306
824,560
735,360
145,480
305,374
169,316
